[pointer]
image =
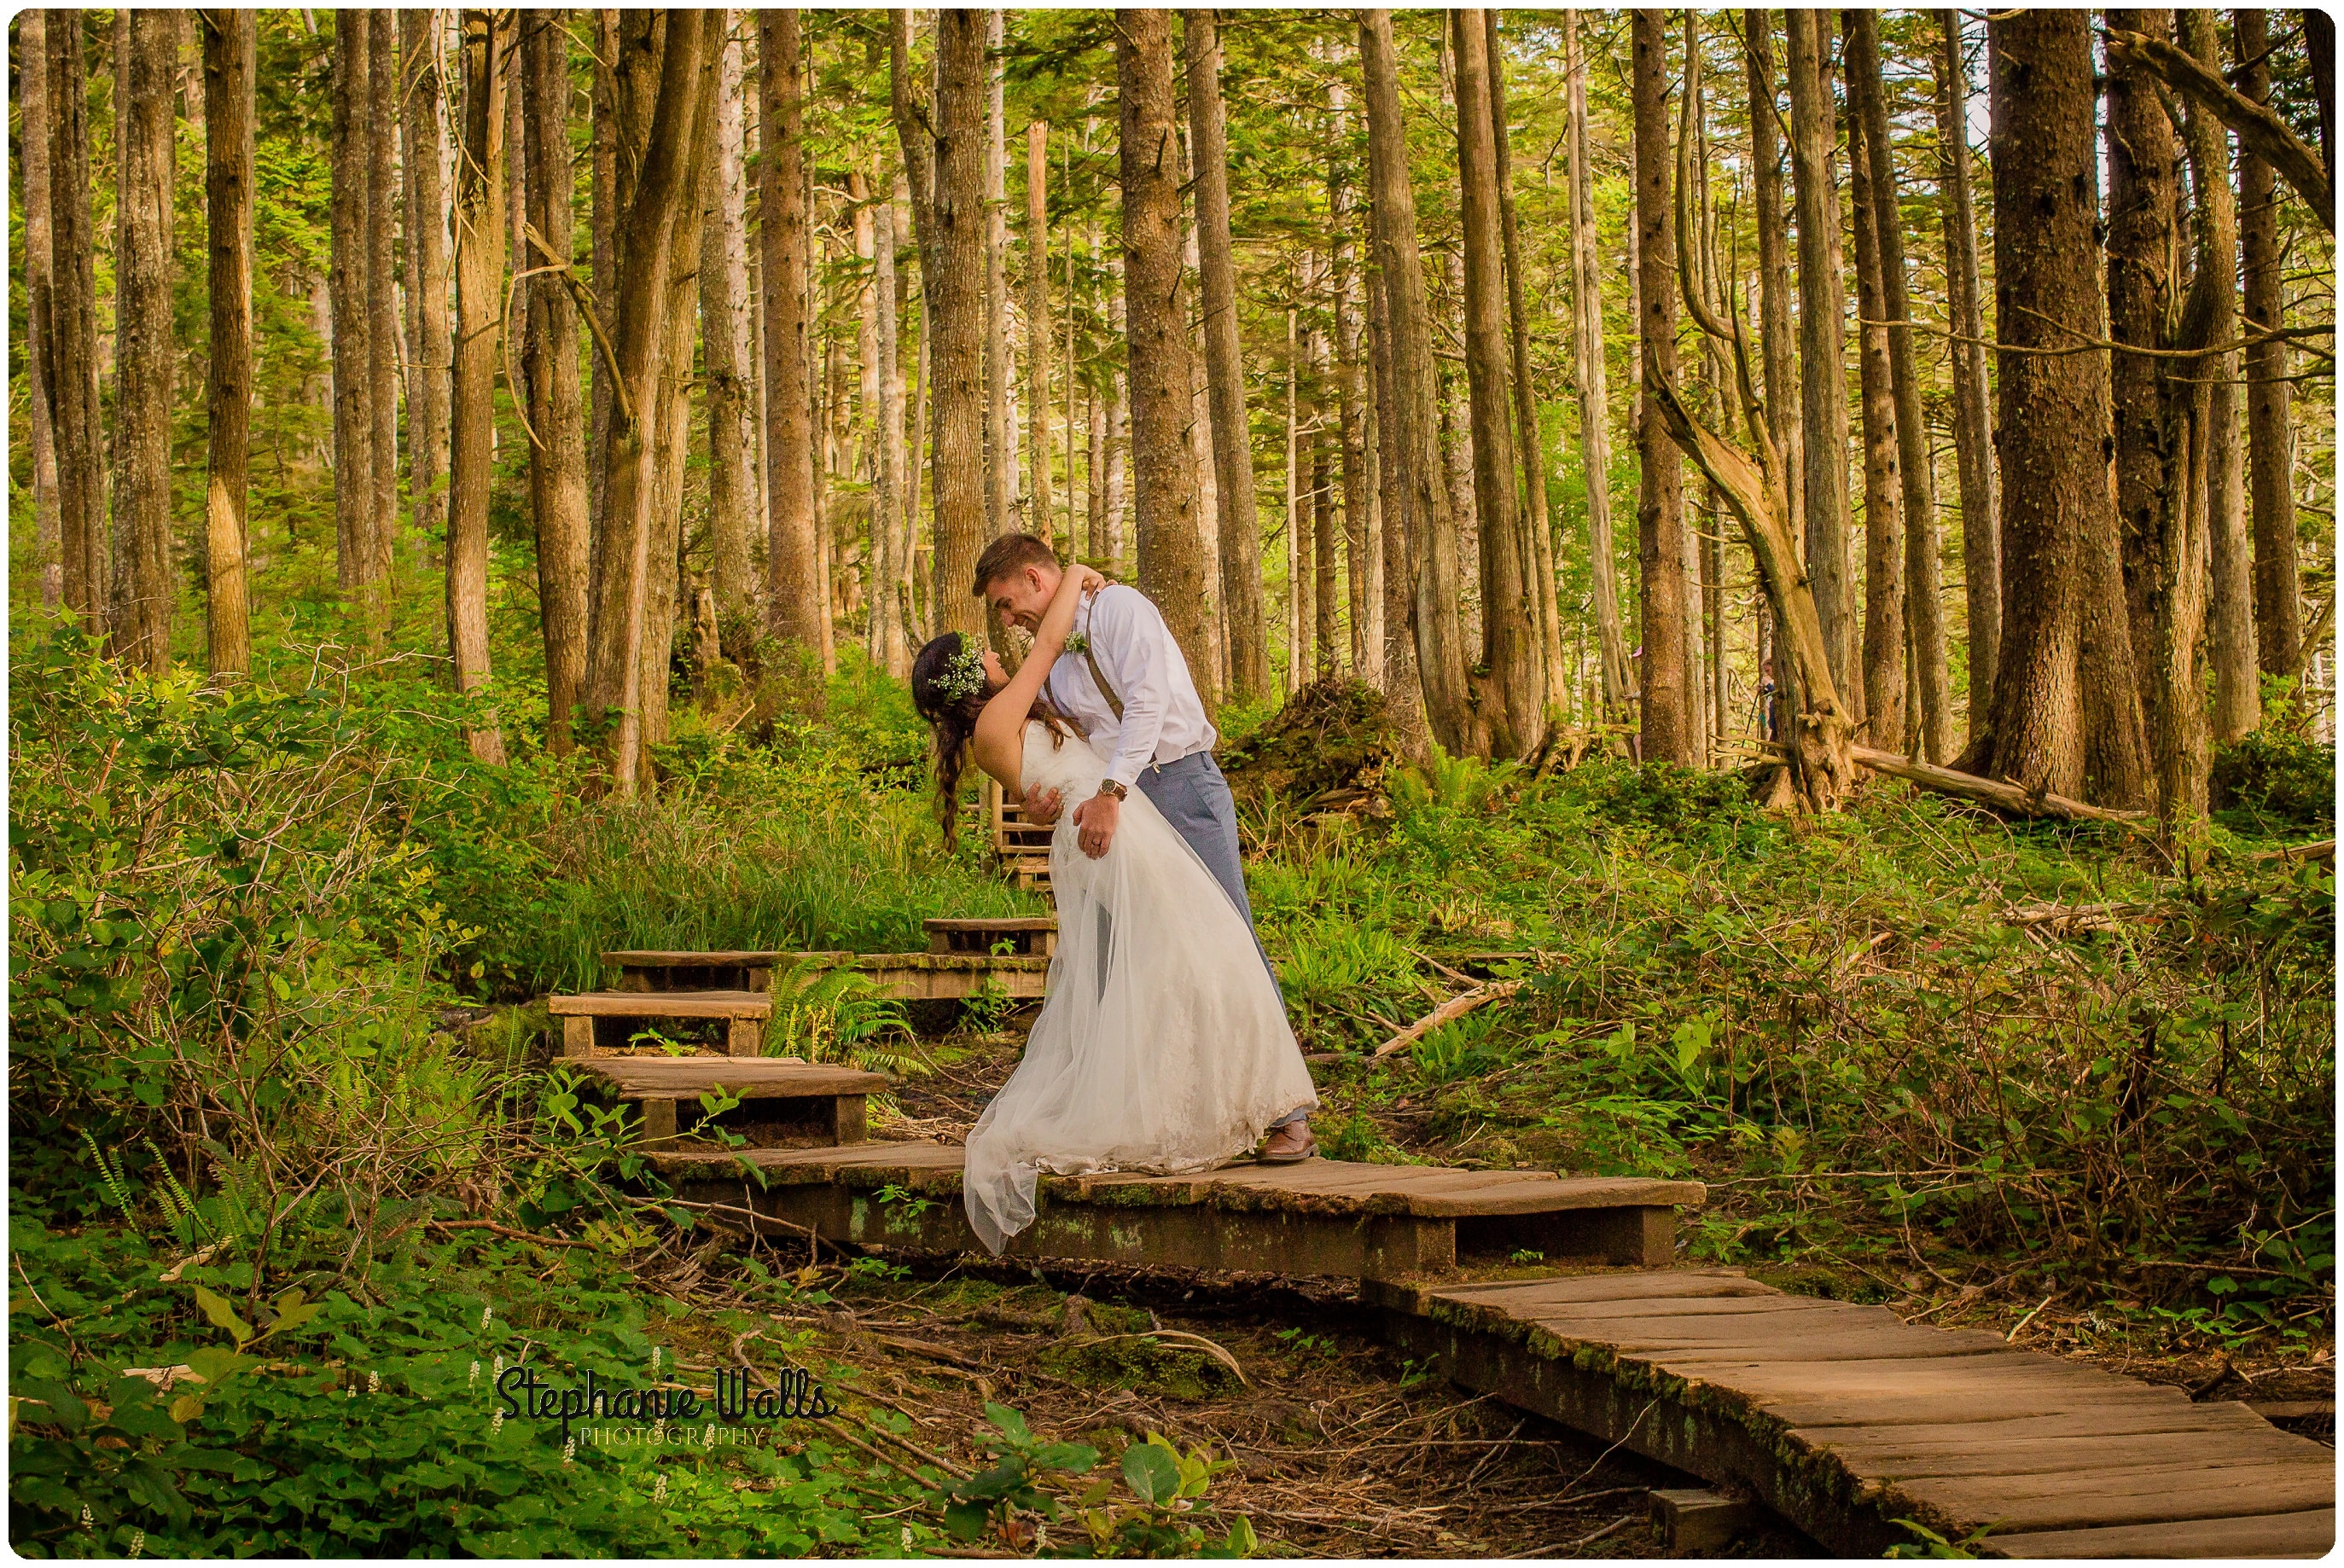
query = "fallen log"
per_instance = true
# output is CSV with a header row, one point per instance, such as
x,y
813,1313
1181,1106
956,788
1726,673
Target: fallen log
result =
x,y
1449,1012
2015,798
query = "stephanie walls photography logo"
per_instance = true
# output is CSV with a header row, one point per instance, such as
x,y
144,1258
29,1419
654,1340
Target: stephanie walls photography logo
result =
x,y
662,1411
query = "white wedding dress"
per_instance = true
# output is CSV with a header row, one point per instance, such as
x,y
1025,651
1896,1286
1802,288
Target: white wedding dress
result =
x,y
1162,1048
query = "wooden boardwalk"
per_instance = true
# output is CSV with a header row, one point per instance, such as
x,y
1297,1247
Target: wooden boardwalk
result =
x,y
1319,1217
1844,1419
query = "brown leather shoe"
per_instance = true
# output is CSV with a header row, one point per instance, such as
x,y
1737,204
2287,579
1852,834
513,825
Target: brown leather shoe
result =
x,y
1289,1145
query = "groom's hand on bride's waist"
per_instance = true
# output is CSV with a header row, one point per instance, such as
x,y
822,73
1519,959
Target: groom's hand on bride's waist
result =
x,y
1097,818
1042,807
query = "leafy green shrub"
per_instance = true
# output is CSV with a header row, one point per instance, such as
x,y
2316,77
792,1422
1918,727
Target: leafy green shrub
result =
x,y
2279,778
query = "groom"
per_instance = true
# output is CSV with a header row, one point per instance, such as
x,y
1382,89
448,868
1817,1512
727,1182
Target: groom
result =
x,y
1124,680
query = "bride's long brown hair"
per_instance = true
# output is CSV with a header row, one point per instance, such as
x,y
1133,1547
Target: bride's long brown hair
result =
x,y
951,721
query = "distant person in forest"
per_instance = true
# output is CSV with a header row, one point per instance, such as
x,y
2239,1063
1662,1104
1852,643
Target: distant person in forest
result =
x,y
1164,1046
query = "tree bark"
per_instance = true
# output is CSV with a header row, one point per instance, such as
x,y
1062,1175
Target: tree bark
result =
x,y
1000,435
230,40
890,555
1530,443
1510,623
2054,410
1974,456
556,456
479,214
1403,691
604,182
2271,433
1779,338
1594,395
793,610
1823,312
2200,84
40,294
1413,436
2213,311
382,287
424,129
1037,327
727,350
351,273
1884,498
1240,553
1362,548
145,348
662,81
69,368
1666,725
1916,469
953,288
1172,567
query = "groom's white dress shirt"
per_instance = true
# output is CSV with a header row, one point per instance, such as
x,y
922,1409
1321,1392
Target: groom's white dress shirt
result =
x,y
1163,719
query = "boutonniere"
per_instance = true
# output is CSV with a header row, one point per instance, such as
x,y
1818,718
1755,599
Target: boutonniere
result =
x,y
1079,643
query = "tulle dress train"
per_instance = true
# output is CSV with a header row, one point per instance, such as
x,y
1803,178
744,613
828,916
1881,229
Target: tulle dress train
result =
x,y
1163,1047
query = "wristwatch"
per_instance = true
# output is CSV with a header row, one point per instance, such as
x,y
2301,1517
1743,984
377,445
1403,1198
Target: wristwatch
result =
x,y
1109,786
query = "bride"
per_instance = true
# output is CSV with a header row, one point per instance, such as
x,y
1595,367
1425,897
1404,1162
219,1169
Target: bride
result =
x,y
1164,1046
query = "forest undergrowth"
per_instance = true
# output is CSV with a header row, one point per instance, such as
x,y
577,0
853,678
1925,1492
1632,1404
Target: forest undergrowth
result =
x,y
281,1116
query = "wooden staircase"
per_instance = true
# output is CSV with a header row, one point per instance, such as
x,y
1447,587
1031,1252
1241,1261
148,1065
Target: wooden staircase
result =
x,y
1023,847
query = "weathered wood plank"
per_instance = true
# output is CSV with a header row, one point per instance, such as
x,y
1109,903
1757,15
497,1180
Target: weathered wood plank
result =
x,y
727,1004
2311,1532
752,1078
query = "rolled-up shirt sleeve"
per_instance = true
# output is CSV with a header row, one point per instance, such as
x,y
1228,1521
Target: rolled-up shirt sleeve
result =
x,y
1134,628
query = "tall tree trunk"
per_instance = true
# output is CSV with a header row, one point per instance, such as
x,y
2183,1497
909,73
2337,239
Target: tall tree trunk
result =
x,y
352,275
2214,306
891,559
2155,411
69,368
1172,567
1403,691
1037,327
2270,435
1298,586
1118,421
793,610
1200,431
382,287
2054,408
1883,499
1413,435
1240,531
1000,433
1822,377
424,224
1667,725
1973,455
1538,531
1323,572
145,347
1362,548
664,82
230,40
1924,614
40,294
479,214
1588,374
1782,382
952,287
726,349
604,182
1511,635
557,457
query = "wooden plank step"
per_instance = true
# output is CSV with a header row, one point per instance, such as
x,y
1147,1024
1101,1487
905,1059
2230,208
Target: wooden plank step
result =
x,y
908,977
788,1104
597,1022
654,1004
1844,1419
1029,935
1323,1216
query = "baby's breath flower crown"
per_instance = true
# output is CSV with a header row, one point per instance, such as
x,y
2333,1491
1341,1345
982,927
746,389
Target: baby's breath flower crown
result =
x,y
964,673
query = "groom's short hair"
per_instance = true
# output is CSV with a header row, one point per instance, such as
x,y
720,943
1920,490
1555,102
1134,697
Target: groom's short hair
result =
x,y
1007,556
